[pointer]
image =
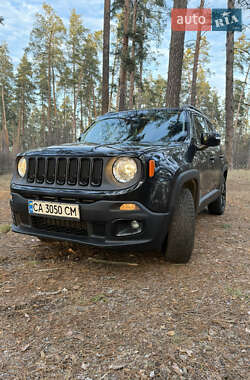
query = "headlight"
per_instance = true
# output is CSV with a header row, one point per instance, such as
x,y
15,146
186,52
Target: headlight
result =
x,y
124,169
21,167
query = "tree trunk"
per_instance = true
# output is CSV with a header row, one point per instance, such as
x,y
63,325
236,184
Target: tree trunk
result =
x,y
89,106
22,120
113,72
240,99
118,88
81,114
49,99
105,57
196,61
236,144
140,85
123,76
64,116
74,96
132,74
5,130
54,92
94,101
75,101
229,106
175,62
17,143
140,89
54,104
43,124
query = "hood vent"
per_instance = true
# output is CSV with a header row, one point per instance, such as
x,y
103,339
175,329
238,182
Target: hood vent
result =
x,y
70,171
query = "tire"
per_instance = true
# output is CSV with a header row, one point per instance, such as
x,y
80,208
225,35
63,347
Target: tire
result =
x,y
218,206
180,240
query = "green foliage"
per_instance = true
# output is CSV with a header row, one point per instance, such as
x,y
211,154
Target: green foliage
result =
x,y
241,54
6,67
7,116
56,90
54,83
151,19
154,91
207,98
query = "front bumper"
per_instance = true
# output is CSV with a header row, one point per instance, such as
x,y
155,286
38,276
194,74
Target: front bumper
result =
x,y
99,224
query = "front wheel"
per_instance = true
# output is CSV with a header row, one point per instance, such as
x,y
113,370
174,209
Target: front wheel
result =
x,y
218,206
180,240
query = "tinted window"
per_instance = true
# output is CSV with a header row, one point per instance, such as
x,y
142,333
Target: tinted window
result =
x,y
200,126
156,127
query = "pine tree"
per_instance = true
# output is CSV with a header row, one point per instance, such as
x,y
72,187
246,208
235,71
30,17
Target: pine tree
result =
x,y
124,57
6,83
132,73
203,71
46,42
75,43
196,60
105,62
175,62
229,104
24,99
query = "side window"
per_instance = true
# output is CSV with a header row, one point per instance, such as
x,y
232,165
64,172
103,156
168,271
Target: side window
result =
x,y
200,126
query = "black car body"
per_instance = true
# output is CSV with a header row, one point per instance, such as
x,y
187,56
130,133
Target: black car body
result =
x,y
111,212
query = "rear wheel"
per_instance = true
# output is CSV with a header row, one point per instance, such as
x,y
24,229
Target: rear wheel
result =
x,y
180,241
218,206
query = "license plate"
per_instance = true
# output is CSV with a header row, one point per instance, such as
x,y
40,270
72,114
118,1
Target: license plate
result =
x,y
54,209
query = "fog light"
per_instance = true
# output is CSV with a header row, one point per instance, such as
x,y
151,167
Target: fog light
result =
x,y
135,225
124,227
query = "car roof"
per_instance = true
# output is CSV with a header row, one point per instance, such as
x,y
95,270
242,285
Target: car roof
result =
x,y
145,111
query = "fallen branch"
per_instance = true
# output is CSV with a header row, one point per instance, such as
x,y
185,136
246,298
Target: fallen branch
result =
x,y
52,293
47,269
93,260
222,321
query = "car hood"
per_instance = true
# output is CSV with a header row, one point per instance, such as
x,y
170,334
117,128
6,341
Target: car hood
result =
x,y
78,149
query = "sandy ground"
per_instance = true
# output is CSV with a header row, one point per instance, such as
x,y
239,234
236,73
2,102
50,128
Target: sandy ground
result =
x,y
65,317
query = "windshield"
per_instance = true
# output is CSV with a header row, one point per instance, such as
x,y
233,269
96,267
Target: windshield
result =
x,y
158,127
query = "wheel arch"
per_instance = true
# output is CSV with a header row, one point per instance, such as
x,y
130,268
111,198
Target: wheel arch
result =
x,y
190,180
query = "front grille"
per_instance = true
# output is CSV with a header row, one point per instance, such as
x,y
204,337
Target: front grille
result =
x,y
70,171
59,225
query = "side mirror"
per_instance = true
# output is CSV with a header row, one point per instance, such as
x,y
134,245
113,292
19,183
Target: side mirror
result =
x,y
210,139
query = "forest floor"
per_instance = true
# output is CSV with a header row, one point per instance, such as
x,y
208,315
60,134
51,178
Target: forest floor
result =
x,y
65,317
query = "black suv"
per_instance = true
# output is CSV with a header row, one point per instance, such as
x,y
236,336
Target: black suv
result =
x,y
134,178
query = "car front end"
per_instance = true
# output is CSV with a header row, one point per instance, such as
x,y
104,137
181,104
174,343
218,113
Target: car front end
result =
x,y
86,198
110,189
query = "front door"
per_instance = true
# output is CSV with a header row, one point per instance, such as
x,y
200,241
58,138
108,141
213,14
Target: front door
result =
x,y
202,157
